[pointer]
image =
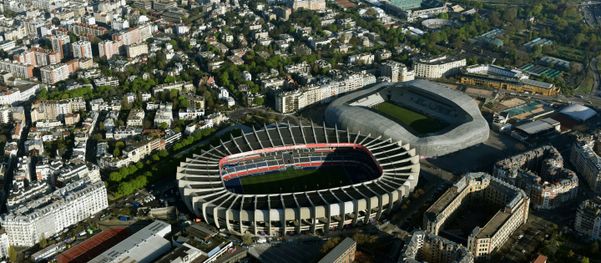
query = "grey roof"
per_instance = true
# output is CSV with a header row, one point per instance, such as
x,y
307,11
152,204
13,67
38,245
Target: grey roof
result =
x,y
339,250
139,246
366,121
579,112
538,126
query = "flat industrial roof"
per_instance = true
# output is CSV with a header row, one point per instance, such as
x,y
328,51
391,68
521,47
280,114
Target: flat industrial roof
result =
x,y
538,126
337,251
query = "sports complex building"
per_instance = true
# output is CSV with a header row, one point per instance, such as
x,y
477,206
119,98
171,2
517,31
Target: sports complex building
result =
x,y
429,116
297,178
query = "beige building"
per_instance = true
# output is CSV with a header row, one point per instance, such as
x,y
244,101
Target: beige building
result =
x,y
481,188
396,72
136,50
307,4
55,109
291,101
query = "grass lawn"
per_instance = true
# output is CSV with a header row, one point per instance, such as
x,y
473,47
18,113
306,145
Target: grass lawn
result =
x,y
295,180
416,122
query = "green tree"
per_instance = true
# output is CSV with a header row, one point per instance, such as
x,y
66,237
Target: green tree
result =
x,y
247,239
12,254
585,260
43,241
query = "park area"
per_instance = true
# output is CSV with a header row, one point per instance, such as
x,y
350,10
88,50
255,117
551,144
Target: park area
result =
x,y
295,180
415,122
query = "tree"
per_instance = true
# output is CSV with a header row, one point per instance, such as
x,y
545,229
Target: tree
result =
x,y
43,241
510,14
585,260
247,239
594,248
329,245
12,254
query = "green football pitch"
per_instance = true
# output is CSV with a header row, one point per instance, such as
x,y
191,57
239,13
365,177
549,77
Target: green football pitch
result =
x,y
293,180
415,121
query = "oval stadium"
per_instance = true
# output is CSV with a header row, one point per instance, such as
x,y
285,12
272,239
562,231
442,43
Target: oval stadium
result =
x,y
429,116
287,179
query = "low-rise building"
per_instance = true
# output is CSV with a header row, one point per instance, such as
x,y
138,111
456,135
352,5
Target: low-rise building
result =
x,y
135,118
497,77
146,245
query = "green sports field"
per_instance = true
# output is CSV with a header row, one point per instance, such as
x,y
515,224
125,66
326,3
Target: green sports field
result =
x,y
295,180
414,121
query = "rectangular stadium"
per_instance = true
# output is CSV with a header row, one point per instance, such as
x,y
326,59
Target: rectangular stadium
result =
x,y
429,116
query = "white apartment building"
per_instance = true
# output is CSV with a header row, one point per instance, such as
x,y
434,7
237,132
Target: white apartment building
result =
x,y
291,101
438,67
82,49
52,74
396,72
135,118
10,95
50,214
587,162
164,115
134,153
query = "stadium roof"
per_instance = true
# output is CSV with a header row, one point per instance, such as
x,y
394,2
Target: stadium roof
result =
x,y
579,112
465,132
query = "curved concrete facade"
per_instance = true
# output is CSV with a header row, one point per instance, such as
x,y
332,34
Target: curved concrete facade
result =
x,y
203,189
467,127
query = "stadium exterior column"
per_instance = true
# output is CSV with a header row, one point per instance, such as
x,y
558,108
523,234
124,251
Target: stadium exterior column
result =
x,y
254,220
313,219
240,218
355,211
283,216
